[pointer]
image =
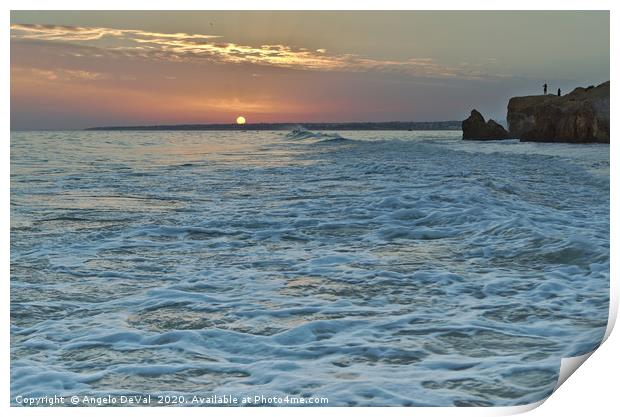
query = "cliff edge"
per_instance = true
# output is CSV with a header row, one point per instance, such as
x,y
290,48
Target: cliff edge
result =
x,y
578,117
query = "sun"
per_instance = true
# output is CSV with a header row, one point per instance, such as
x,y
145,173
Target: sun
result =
x,y
240,120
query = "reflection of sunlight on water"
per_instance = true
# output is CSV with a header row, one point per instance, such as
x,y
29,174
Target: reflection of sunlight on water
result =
x,y
229,150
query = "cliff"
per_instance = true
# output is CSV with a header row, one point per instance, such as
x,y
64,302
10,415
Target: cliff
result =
x,y
581,116
475,128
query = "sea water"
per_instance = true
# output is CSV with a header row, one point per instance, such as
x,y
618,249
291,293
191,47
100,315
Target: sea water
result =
x,y
369,268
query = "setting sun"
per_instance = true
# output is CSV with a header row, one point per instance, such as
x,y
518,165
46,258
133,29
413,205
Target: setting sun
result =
x,y
240,120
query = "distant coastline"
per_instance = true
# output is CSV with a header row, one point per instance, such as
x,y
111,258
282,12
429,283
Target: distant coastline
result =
x,y
443,125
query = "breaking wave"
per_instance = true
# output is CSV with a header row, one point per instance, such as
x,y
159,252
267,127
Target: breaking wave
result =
x,y
402,269
300,133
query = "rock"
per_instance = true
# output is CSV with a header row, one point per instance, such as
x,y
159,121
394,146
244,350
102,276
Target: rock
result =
x,y
580,117
475,128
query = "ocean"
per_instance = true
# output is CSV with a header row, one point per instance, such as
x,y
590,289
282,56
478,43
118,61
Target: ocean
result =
x,y
370,268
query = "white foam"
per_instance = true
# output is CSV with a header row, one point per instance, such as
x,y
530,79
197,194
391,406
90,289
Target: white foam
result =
x,y
399,268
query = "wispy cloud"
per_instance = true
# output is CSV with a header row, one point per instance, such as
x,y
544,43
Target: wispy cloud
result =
x,y
133,43
78,33
59,74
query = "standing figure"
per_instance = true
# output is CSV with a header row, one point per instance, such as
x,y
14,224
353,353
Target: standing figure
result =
x,y
545,88
559,92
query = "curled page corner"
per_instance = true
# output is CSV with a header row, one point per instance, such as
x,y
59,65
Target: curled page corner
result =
x,y
613,309
568,366
520,409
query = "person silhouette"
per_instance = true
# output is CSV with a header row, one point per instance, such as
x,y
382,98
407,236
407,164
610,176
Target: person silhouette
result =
x,y
545,88
559,92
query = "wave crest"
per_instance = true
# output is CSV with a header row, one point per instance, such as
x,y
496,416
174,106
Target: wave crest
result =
x,y
300,133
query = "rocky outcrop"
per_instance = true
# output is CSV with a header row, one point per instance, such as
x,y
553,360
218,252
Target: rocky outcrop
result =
x,y
475,128
581,116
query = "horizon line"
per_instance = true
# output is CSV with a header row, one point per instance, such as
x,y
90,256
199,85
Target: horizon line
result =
x,y
250,126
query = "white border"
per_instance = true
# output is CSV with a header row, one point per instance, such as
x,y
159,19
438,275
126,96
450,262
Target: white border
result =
x,y
309,5
592,391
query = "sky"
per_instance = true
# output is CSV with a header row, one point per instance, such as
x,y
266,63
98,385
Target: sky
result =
x,y
78,69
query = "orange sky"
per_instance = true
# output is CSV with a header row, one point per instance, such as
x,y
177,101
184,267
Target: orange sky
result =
x,y
81,69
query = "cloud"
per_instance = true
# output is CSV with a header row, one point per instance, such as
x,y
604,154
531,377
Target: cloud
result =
x,y
131,43
59,74
60,33
77,33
